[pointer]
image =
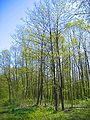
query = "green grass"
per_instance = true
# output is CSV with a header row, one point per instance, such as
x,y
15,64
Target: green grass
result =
x,y
14,112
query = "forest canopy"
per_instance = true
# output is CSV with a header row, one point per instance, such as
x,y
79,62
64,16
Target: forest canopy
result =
x,y
49,61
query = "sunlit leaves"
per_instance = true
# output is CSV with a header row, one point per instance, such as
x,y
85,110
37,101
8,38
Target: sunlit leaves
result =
x,y
78,23
74,42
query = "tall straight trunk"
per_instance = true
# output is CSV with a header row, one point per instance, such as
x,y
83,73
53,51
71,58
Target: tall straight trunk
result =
x,y
86,70
61,87
52,59
76,81
47,95
23,84
41,71
70,79
9,86
38,96
53,70
81,70
9,82
61,76
16,74
27,81
54,80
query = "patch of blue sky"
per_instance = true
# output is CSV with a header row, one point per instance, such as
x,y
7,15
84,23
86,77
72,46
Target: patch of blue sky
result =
x,y
11,11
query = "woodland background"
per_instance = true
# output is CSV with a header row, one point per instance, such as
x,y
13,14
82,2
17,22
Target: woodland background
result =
x,y
47,69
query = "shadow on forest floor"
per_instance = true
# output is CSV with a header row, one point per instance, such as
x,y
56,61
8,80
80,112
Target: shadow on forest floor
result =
x,y
12,112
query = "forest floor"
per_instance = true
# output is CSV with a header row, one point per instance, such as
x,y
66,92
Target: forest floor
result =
x,y
14,112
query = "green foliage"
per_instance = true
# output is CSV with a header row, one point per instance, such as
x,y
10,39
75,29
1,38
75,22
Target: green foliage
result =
x,y
74,42
34,113
10,111
78,23
46,65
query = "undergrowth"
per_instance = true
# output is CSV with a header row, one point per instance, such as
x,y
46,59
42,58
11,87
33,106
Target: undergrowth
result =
x,y
16,112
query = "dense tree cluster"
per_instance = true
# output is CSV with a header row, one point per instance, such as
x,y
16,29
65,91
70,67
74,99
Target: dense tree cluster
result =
x,y
49,62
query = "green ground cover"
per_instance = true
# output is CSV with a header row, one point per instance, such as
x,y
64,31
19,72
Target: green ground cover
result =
x,y
17,112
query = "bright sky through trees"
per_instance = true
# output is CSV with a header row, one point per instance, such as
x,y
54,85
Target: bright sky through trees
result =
x,y
45,72
10,13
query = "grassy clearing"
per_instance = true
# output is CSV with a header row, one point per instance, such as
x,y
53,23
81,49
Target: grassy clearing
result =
x,y
14,112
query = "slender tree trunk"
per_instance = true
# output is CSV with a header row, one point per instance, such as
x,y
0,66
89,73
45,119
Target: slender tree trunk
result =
x,y
61,76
